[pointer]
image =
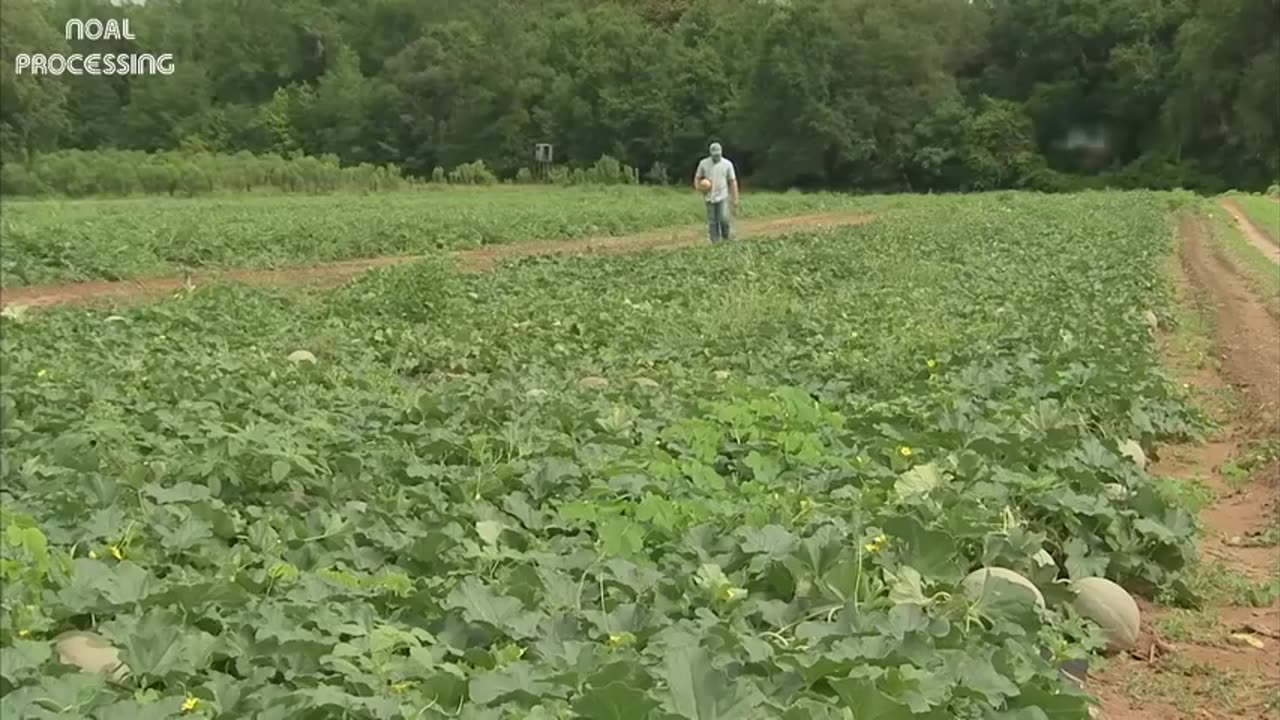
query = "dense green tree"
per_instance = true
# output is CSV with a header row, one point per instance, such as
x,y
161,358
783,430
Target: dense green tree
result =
x,y
856,94
1224,110
33,109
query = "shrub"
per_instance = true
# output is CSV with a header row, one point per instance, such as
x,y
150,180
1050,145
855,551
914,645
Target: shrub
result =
x,y
17,179
605,171
658,175
194,171
472,173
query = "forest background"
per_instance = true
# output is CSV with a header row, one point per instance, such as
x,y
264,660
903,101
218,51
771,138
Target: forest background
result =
x,y
861,95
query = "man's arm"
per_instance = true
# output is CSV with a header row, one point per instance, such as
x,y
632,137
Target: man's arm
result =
x,y
733,185
698,175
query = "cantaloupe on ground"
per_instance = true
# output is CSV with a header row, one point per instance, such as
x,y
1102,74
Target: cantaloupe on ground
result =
x,y
593,382
92,653
1132,450
1113,609
980,581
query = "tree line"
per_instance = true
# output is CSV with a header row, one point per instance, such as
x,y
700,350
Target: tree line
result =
x,y
86,173
920,95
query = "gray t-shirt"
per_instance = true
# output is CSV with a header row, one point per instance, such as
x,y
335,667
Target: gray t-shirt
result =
x,y
720,173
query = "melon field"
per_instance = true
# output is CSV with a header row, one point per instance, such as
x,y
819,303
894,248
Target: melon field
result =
x,y
717,483
112,239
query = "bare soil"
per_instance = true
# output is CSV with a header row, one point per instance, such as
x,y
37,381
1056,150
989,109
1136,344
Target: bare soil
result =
x,y
1252,232
1222,661
475,260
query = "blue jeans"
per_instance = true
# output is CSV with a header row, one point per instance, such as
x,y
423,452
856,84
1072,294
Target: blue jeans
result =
x,y
718,220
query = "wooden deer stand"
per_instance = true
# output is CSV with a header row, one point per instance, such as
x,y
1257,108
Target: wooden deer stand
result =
x,y
542,158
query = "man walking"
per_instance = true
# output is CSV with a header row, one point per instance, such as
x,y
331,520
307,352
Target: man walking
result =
x,y
724,184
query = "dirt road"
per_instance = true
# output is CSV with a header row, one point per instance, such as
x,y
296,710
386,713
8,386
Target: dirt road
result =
x,y
1222,661
1251,232
479,259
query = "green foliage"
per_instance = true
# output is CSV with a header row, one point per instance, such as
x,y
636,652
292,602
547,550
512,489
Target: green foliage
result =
x,y
438,518
472,173
607,170
47,241
420,293
33,110
78,173
881,96
658,175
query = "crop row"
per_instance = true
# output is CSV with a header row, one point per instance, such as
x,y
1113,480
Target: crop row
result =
x,y
730,482
50,241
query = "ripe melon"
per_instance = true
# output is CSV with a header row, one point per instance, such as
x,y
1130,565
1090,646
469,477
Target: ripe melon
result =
x,y
593,382
704,185
982,580
1153,322
1132,450
92,653
1113,609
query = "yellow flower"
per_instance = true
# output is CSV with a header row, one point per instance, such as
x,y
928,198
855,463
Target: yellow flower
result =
x,y
730,593
41,372
116,552
190,704
24,633
932,364
877,544
93,554
401,687
621,640
904,451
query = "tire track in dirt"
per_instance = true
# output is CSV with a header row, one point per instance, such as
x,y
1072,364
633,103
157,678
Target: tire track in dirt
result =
x,y
1251,232
1203,668
474,260
1248,333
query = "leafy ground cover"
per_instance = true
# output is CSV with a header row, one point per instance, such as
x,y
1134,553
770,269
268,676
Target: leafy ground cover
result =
x,y
50,241
732,482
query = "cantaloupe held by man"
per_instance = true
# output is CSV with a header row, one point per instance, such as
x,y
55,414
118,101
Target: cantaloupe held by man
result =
x,y
719,170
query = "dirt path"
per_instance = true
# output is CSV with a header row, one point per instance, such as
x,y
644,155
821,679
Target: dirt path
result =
x,y
476,260
1252,233
1221,661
